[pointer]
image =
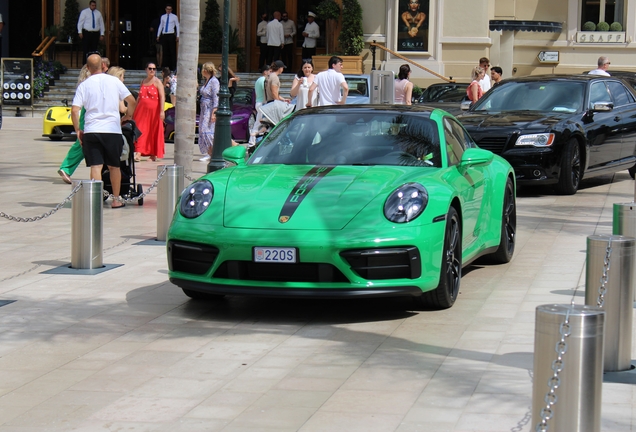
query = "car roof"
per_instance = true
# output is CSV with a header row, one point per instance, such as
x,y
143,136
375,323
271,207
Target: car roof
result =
x,y
558,77
361,108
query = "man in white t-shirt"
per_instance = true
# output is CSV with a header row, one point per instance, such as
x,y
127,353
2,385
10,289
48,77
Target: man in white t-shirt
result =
x,y
603,65
485,83
329,84
101,138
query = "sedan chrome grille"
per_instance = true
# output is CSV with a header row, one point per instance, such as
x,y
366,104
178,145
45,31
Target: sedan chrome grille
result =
x,y
496,144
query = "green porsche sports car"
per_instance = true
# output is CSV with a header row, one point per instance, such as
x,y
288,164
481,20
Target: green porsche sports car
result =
x,y
356,200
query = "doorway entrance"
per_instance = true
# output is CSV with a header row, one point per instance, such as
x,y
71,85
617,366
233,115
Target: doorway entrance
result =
x,y
132,31
297,12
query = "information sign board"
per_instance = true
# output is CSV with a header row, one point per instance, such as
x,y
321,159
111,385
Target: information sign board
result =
x,y
17,82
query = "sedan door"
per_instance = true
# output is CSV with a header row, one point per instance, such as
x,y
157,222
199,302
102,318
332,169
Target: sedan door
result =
x,y
604,128
625,107
469,182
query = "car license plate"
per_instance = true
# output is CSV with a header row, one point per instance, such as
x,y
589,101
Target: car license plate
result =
x,y
275,255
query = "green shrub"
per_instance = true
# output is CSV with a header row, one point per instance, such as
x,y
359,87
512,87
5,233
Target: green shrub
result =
x,y
351,38
211,31
602,26
328,9
616,26
589,26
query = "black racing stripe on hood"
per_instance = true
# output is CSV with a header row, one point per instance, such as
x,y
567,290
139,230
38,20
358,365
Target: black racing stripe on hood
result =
x,y
300,191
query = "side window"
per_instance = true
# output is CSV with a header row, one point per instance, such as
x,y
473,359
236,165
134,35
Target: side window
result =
x,y
598,93
619,93
455,141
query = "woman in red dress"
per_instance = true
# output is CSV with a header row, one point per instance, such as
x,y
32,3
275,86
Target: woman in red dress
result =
x,y
149,116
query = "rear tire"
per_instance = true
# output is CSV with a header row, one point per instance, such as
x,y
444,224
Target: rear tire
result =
x,y
197,295
445,294
571,169
508,227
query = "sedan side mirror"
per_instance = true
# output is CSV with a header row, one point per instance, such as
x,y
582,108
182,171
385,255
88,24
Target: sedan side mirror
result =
x,y
465,105
603,106
477,157
235,154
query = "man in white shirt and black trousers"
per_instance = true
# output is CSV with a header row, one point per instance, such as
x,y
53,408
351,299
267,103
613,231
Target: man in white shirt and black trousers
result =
x,y
101,138
275,38
168,35
90,27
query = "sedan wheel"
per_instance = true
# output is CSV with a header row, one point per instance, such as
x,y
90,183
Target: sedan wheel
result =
x,y
508,226
571,171
445,294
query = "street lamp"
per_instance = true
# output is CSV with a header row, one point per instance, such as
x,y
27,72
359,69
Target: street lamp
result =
x,y
222,128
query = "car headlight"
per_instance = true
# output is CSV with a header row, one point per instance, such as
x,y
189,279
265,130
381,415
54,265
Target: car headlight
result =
x,y
406,203
196,198
536,140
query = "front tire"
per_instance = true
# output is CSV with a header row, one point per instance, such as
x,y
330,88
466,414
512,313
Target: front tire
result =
x,y
571,169
55,138
508,227
445,294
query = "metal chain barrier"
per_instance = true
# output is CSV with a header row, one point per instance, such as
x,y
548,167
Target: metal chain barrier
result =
x,y
561,347
142,195
45,215
606,268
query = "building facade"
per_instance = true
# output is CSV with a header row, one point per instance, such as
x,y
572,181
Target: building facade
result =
x,y
523,37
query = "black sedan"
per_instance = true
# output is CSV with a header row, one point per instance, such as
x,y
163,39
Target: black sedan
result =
x,y
557,129
446,96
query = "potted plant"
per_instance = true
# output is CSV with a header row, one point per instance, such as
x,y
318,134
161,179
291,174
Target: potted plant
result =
x,y
69,26
351,40
210,44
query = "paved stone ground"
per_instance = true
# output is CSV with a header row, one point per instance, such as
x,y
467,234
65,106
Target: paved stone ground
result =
x,y
126,350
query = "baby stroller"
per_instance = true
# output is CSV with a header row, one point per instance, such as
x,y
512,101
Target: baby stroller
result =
x,y
271,114
129,186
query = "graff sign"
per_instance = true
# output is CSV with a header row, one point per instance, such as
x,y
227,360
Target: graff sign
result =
x,y
600,37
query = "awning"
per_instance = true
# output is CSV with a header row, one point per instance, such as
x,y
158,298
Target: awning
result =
x,y
530,26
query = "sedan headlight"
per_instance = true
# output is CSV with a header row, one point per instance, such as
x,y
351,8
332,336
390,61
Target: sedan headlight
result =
x,y
536,140
196,198
406,203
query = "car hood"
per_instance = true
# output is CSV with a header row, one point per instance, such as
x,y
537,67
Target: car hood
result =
x,y
289,197
513,119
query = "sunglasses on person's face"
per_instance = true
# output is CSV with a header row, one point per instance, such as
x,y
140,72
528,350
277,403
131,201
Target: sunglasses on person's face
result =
x,y
152,68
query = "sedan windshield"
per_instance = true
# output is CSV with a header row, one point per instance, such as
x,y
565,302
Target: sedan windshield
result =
x,y
352,138
554,96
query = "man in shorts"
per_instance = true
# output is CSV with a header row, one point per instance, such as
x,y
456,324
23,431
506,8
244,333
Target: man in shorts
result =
x,y
101,138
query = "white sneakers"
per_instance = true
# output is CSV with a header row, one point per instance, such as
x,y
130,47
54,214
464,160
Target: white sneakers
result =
x,y
205,158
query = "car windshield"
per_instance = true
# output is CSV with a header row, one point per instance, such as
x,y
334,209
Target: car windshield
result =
x,y
350,138
444,93
549,95
357,86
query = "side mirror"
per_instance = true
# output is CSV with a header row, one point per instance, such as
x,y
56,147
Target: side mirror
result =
x,y
603,106
465,105
476,157
235,155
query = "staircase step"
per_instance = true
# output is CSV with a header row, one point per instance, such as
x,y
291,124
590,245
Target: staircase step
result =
x,y
64,88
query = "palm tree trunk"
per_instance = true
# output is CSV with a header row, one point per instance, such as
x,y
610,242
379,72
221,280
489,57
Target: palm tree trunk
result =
x,y
187,84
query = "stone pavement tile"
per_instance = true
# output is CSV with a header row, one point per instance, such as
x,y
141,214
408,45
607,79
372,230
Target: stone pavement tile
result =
x,y
249,385
173,388
424,413
308,384
371,401
272,417
145,409
205,369
425,426
395,379
193,425
484,422
98,425
499,380
279,398
327,421
189,339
